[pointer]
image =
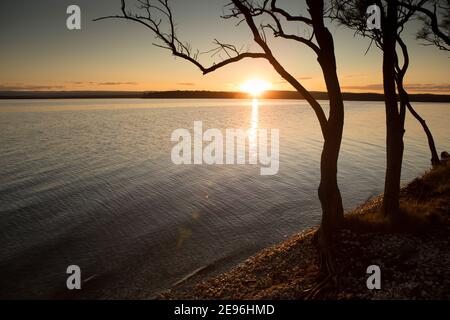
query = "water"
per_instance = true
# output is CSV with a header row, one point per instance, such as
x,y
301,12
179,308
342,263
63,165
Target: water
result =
x,y
91,183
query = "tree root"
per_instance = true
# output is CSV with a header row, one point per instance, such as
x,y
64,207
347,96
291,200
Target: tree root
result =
x,y
328,276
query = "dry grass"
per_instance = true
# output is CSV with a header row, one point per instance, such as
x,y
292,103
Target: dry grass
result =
x,y
424,204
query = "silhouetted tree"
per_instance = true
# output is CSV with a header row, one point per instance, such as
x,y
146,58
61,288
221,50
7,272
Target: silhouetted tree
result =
x,y
435,15
157,16
404,99
394,16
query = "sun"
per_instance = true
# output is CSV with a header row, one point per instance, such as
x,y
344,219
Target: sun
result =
x,y
255,87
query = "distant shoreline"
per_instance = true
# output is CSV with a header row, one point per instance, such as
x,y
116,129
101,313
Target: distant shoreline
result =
x,y
348,96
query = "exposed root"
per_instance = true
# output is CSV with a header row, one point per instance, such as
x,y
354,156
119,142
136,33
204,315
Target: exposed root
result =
x,y
328,276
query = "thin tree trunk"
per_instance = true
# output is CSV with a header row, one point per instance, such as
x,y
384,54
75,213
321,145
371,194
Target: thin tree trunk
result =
x,y
404,98
394,117
434,155
329,194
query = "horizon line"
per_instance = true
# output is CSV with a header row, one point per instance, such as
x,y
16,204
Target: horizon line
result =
x,y
207,94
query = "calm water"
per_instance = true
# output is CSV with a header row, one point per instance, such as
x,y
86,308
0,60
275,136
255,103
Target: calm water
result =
x,y
91,183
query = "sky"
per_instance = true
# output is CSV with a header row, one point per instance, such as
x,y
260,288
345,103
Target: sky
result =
x,y
38,52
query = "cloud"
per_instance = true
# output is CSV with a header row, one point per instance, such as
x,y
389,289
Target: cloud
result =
x,y
281,81
115,83
66,86
354,75
186,84
413,87
110,83
22,87
429,87
376,87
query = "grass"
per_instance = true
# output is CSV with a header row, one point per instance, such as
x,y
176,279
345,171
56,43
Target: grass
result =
x,y
424,204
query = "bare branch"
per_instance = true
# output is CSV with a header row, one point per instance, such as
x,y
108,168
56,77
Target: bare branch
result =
x,y
246,12
286,15
169,39
432,32
279,32
158,18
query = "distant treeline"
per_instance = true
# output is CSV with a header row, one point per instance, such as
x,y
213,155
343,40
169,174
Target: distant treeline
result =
x,y
285,95
204,95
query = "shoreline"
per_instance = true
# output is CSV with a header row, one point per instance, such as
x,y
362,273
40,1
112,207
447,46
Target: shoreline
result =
x,y
179,94
413,256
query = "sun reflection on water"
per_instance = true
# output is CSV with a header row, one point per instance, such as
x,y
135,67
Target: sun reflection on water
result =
x,y
253,131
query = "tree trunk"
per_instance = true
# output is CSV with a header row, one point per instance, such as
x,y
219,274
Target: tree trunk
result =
x,y
329,194
394,118
434,155
393,168
404,99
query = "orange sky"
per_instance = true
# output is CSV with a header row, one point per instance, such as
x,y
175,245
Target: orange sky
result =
x,y
39,53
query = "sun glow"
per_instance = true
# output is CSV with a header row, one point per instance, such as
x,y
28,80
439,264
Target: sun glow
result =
x,y
255,87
